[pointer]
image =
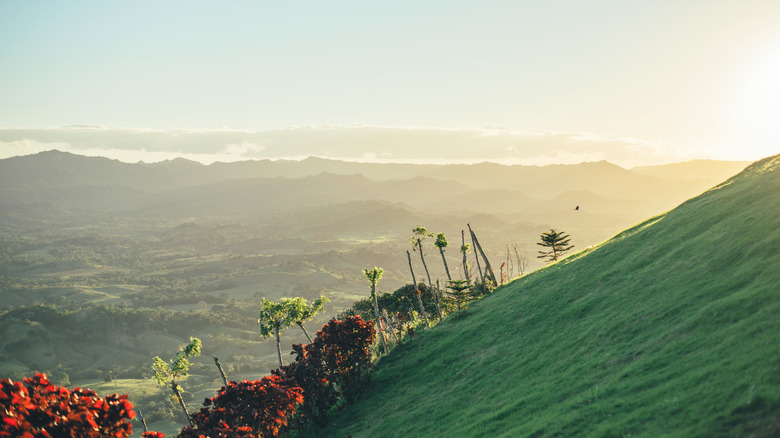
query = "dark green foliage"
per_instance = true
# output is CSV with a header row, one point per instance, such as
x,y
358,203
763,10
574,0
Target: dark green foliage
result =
x,y
396,302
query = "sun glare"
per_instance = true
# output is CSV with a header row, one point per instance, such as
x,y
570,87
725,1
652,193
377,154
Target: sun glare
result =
x,y
759,112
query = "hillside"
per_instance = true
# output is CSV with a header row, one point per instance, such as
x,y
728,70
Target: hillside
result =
x,y
669,328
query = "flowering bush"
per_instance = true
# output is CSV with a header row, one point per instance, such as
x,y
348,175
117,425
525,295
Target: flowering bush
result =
x,y
39,409
337,364
246,409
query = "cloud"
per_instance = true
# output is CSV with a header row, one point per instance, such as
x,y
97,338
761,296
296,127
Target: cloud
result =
x,y
356,142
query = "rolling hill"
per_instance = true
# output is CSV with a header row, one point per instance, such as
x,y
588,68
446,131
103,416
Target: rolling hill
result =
x,y
671,328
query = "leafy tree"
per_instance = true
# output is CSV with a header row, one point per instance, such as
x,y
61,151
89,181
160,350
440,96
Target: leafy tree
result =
x,y
275,318
464,249
421,233
373,276
178,369
441,243
557,242
301,311
38,409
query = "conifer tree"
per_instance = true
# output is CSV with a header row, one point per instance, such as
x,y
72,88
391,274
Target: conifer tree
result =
x,y
557,242
460,292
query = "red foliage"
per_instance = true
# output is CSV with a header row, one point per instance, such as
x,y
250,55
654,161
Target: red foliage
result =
x,y
346,349
336,364
246,409
310,373
38,409
152,434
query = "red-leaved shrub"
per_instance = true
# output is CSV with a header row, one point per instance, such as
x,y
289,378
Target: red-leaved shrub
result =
x,y
246,409
39,409
337,363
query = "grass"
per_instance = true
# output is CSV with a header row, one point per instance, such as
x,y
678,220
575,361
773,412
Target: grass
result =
x,y
672,328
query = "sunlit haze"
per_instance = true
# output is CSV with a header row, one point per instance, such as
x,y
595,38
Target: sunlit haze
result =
x,y
516,82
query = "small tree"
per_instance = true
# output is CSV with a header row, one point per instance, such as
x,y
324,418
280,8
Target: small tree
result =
x,y
301,311
421,233
557,243
460,292
464,249
177,370
373,276
441,243
274,319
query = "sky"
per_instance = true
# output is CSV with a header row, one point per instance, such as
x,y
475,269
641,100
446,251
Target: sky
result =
x,y
522,82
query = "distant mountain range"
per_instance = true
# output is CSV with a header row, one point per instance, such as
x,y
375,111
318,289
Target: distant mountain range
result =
x,y
187,188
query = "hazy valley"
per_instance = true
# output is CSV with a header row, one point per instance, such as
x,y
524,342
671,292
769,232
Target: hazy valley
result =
x,y
105,264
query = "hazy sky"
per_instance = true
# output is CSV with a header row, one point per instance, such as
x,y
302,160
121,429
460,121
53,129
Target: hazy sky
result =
x,y
517,81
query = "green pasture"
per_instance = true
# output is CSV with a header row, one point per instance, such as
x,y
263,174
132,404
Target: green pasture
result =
x,y
671,328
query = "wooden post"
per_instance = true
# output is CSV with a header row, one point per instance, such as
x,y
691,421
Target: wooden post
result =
x,y
487,262
476,256
438,300
221,371
143,420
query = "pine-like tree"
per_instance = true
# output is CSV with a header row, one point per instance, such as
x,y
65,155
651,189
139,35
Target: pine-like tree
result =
x,y
460,293
557,242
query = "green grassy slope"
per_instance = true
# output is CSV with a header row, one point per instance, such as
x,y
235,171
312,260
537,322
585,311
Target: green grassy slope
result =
x,y
671,328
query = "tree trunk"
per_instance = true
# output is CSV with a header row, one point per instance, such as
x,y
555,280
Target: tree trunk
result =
x,y
221,371
279,347
387,321
143,420
417,291
446,268
465,262
419,246
438,300
300,324
177,391
487,262
379,318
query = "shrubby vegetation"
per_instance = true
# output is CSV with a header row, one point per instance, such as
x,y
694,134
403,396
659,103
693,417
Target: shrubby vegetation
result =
x,y
37,408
